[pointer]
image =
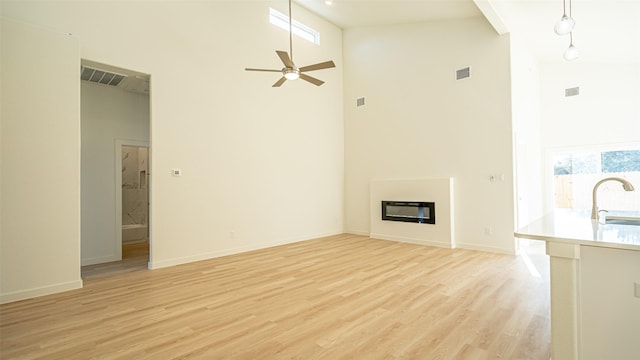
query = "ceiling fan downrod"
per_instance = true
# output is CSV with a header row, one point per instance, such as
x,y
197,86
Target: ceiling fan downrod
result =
x,y
290,71
290,33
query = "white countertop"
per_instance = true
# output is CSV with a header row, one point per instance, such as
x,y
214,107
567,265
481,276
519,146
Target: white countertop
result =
x,y
577,227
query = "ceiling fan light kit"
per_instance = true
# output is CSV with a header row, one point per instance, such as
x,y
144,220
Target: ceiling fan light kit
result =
x,y
565,26
291,74
290,71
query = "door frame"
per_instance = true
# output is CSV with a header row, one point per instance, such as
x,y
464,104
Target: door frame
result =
x,y
118,181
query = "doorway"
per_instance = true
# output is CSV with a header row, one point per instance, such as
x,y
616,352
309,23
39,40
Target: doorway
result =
x,y
115,115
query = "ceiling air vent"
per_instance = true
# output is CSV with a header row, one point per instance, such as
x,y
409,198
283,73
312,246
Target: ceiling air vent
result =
x,y
100,76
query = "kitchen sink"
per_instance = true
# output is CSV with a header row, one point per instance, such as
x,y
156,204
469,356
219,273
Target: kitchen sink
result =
x,y
635,222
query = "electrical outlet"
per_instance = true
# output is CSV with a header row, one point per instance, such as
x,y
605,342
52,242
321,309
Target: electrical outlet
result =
x,y
232,235
488,231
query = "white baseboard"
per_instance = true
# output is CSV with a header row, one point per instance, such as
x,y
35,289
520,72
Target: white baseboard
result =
x,y
357,232
237,250
41,291
491,249
443,244
98,260
134,241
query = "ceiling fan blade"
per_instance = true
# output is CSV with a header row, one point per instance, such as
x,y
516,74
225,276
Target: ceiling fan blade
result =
x,y
279,82
285,59
310,79
269,70
319,66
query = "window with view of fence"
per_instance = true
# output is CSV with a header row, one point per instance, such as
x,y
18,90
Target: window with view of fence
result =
x,y
575,174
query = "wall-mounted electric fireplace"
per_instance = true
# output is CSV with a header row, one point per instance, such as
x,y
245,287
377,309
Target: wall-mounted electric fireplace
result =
x,y
409,211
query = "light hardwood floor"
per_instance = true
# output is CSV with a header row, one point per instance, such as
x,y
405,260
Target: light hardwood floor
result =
x,y
135,257
340,297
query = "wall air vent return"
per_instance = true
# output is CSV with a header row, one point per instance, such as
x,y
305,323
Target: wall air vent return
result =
x,y
360,102
100,76
572,91
463,73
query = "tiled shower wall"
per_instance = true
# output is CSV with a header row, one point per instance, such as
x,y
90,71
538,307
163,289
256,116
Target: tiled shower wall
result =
x,y
135,185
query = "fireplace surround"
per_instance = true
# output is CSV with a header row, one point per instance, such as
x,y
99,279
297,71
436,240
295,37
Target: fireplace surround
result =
x,y
437,190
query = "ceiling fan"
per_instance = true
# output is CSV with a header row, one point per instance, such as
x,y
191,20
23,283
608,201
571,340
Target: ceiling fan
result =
x,y
290,71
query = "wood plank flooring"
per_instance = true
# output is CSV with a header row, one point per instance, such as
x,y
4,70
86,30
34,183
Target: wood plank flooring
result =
x,y
135,257
340,297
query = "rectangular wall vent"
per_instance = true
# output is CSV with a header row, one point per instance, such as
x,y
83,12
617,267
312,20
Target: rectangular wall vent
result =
x,y
572,91
463,73
360,101
100,76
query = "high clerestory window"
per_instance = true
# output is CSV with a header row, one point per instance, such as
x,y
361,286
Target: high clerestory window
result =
x,y
282,21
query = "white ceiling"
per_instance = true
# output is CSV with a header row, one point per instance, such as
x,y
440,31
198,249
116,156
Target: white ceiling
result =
x,y
607,31
358,13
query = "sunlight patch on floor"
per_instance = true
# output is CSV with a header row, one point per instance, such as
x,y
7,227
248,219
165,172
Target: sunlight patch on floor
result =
x,y
527,261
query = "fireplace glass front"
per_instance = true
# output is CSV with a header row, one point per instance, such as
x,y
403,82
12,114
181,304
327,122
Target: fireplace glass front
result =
x,y
409,211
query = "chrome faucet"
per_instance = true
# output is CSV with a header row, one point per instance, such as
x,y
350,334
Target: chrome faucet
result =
x,y
626,185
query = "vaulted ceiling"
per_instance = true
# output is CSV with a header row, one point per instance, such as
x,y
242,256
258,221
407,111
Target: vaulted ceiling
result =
x,y
607,31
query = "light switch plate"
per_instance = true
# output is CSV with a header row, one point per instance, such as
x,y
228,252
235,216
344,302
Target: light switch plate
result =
x,y
637,289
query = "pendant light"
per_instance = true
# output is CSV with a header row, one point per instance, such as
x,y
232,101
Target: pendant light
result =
x,y
566,23
565,26
572,52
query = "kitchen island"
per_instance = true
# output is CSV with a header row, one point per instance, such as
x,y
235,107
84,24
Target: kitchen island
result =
x,y
595,284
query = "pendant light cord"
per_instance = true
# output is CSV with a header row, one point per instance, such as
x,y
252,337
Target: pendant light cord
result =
x,y
570,33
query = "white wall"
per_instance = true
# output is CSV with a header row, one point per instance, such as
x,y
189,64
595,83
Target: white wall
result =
x,y
108,114
606,111
261,165
40,225
527,127
419,122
